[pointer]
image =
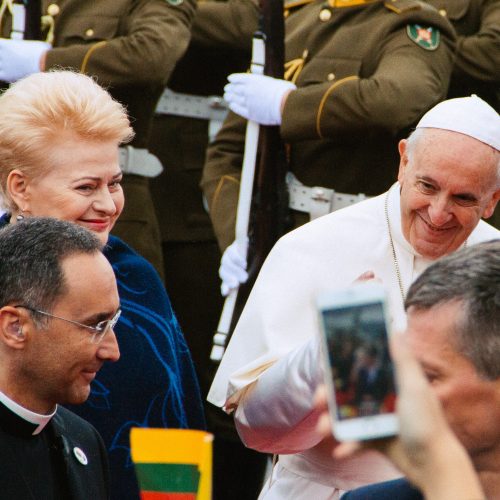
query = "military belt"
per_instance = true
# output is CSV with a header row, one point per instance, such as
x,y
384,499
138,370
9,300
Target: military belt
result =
x,y
318,201
139,161
211,108
18,21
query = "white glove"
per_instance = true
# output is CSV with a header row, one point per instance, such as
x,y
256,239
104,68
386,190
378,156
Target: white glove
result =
x,y
257,97
232,270
20,58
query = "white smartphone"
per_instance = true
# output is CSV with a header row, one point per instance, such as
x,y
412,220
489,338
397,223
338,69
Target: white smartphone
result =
x,y
358,369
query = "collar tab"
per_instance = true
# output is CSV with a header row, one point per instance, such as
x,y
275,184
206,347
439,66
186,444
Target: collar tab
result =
x,y
402,6
34,422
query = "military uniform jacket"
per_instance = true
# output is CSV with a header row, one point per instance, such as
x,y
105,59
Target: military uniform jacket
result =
x,y
477,64
362,82
131,46
180,142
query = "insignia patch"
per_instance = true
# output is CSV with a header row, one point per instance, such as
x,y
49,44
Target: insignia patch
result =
x,y
175,2
425,36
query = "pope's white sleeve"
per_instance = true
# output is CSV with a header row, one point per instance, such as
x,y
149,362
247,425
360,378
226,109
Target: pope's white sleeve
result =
x,y
276,414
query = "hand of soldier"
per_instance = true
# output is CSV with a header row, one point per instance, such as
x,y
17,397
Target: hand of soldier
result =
x,y
257,97
20,58
232,270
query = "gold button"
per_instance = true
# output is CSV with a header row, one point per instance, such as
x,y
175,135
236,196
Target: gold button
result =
x,y
330,77
53,9
325,15
89,32
443,12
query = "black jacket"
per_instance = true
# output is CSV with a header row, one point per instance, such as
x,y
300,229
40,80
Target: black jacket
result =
x,y
81,464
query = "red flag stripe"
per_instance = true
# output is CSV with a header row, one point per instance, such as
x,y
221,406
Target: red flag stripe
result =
x,y
159,495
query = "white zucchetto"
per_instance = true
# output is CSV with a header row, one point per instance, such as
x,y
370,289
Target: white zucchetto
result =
x,y
467,115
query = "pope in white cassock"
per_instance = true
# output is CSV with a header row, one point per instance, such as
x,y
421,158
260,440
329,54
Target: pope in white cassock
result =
x,y
449,178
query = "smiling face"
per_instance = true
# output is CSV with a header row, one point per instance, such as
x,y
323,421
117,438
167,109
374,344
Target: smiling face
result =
x,y
80,184
60,360
448,182
471,404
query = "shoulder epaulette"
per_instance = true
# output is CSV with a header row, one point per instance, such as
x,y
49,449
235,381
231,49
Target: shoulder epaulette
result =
x,y
402,6
293,4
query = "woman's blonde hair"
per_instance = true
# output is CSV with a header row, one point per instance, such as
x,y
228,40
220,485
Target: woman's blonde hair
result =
x,y
36,110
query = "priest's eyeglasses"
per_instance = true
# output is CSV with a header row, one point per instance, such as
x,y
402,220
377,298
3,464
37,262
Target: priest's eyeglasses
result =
x,y
99,330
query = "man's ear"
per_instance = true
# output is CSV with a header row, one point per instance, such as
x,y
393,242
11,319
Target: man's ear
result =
x,y
13,327
17,186
403,159
490,207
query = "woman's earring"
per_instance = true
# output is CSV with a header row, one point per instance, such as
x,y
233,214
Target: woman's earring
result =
x,y
19,217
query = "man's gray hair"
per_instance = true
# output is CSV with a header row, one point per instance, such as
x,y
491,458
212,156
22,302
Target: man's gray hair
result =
x,y
470,277
31,255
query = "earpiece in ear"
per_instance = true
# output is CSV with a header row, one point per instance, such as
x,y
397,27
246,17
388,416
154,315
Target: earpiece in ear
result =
x,y
17,330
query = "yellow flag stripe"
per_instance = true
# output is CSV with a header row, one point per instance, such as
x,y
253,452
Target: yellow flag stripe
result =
x,y
169,446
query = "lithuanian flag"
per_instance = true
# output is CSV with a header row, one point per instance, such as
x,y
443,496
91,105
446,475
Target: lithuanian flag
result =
x,y
172,464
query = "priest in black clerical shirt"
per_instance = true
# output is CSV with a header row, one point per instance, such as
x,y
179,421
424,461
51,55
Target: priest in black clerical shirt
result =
x,y
58,306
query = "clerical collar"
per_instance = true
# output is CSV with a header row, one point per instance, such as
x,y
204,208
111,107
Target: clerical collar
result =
x,y
21,420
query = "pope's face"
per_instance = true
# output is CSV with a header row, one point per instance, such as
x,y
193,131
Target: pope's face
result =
x,y
471,404
448,183
80,183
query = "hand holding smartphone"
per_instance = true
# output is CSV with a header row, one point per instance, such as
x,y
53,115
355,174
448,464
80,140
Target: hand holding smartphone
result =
x,y
359,374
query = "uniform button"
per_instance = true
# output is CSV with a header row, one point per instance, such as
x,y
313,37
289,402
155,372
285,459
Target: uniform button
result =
x,y
53,9
305,54
325,15
443,12
89,32
330,77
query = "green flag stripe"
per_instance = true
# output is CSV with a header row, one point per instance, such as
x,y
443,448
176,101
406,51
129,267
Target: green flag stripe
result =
x,y
182,478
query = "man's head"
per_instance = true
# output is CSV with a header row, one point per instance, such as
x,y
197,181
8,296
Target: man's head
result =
x,y
449,175
55,287
454,331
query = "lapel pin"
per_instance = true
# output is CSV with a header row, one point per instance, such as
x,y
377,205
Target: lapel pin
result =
x,y
80,455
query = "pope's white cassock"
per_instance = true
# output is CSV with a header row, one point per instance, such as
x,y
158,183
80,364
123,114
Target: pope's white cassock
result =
x,y
275,342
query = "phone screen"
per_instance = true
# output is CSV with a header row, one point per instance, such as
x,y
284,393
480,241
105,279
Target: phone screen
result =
x,y
361,367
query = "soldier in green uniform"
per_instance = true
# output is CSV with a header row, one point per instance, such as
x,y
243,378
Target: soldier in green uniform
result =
x,y
187,116
365,71
131,47
476,70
